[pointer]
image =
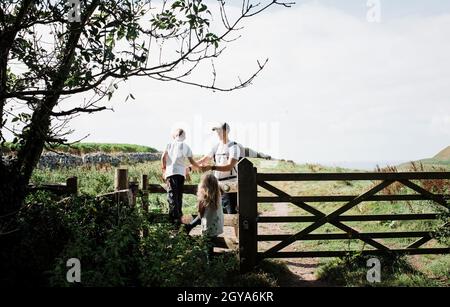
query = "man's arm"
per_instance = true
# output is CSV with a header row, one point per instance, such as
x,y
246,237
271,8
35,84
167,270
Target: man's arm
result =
x,y
223,168
234,154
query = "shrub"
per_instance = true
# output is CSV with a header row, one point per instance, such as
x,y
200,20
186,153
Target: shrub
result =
x,y
28,255
109,241
352,271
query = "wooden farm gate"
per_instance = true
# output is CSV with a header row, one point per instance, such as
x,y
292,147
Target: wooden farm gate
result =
x,y
249,181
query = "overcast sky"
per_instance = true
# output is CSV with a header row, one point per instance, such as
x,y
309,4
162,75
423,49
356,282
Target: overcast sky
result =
x,y
337,87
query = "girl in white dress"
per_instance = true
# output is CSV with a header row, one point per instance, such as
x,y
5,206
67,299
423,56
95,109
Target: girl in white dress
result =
x,y
210,212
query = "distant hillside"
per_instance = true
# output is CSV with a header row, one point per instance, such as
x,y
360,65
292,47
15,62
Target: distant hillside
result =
x,y
443,155
441,160
87,148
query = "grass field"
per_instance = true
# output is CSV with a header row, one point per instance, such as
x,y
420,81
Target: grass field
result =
x,y
85,148
94,181
410,271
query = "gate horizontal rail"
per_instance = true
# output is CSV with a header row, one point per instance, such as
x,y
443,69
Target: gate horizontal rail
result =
x,y
349,218
343,198
327,254
351,176
250,183
345,236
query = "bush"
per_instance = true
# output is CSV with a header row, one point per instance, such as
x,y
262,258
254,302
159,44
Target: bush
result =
x,y
162,258
28,255
442,231
352,271
109,241
105,238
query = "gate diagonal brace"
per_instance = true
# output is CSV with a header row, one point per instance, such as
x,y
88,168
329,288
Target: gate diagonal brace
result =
x,y
301,205
432,197
320,214
331,218
426,238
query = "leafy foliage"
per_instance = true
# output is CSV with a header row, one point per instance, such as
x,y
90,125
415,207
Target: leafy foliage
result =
x,y
47,57
352,271
109,240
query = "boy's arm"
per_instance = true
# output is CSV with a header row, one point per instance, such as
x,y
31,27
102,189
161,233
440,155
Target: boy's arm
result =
x,y
207,158
194,163
163,160
203,160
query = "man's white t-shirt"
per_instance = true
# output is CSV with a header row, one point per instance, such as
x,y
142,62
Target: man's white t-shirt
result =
x,y
221,153
177,152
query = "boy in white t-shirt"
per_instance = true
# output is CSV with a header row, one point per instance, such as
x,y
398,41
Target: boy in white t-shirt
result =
x,y
174,172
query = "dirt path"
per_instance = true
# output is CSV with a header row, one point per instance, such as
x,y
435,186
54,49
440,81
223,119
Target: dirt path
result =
x,y
301,270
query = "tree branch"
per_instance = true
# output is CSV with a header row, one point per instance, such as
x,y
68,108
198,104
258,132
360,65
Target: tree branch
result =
x,y
78,110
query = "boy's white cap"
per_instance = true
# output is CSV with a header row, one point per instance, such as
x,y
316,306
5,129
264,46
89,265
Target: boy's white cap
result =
x,y
221,126
179,134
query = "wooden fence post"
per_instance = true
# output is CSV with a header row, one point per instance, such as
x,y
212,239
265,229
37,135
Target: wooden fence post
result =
x,y
247,197
144,188
121,183
134,188
72,185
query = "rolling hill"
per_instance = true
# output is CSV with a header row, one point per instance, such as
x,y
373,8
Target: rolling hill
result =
x,y
440,161
443,155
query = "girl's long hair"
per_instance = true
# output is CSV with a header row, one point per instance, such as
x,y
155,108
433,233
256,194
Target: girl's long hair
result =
x,y
208,191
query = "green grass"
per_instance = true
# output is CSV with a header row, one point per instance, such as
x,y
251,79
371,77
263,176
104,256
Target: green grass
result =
x,y
395,272
95,180
85,148
426,270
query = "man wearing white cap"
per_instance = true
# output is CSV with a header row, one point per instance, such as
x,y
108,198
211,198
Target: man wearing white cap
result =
x,y
226,155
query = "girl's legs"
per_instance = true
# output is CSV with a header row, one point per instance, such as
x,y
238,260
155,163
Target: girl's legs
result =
x,y
211,246
195,222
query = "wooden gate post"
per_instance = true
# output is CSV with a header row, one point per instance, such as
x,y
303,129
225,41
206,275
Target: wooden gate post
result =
x,y
134,188
72,185
248,227
144,188
121,183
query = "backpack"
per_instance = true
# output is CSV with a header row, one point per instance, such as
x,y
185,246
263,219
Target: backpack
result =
x,y
241,154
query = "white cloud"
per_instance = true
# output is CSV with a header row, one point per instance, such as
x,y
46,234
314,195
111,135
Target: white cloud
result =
x,y
338,87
